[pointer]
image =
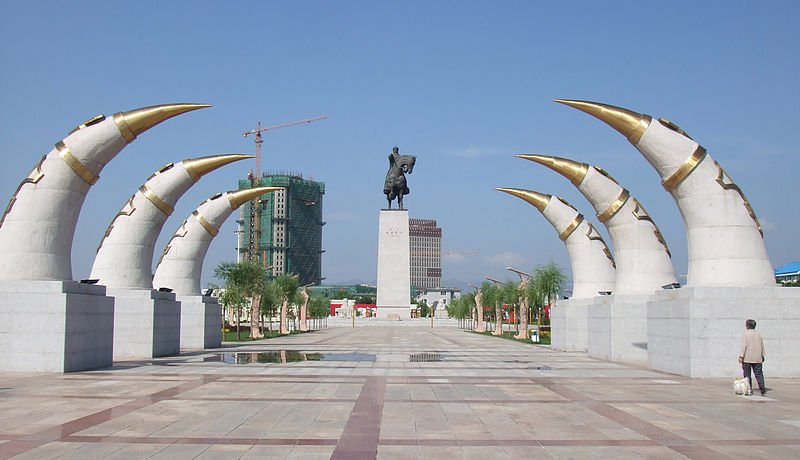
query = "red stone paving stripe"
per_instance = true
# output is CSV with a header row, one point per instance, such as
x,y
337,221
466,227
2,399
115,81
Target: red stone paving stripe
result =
x,y
699,452
59,432
359,439
671,440
12,448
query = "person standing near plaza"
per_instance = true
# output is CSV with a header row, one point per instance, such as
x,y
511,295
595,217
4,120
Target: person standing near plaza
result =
x,y
751,355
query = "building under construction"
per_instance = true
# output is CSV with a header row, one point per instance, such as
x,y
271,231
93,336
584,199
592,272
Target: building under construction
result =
x,y
285,231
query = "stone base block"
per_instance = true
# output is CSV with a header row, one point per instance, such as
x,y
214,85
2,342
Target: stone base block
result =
x,y
55,326
569,325
147,323
201,322
618,328
394,313
697,331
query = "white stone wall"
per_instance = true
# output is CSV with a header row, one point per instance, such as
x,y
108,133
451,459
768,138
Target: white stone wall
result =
x,y
618,328
201,322
147,323
697,331
394,276
55,326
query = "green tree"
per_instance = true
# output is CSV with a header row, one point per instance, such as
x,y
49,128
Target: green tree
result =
x,y
461,308
549,280
271,299
249,279
233,300
509,294
492,295
423,309
319,307
288,286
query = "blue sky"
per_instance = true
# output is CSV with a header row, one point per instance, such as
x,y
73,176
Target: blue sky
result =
x,y
462,85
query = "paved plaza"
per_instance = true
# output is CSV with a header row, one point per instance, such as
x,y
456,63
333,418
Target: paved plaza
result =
x,y
391,393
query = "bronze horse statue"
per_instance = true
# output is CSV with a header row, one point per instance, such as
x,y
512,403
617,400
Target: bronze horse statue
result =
x,y
395,185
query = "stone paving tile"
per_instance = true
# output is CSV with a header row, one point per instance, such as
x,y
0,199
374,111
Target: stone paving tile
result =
x,y
488,398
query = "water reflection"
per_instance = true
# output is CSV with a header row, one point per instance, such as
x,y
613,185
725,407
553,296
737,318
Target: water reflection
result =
x,y
284,356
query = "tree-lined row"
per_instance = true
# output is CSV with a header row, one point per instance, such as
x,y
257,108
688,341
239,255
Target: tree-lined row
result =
x,y
248,284
526,298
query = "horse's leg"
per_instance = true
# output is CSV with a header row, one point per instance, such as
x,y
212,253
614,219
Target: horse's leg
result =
x,y
400,201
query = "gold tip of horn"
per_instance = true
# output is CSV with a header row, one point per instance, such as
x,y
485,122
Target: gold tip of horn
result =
x,y
536,199
135,122
199,167
572,170
240,197
629,123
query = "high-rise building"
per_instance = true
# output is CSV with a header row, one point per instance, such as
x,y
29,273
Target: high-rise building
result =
x,y
426,253
288,235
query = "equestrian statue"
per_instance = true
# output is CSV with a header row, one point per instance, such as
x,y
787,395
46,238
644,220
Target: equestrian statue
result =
x,y
395,185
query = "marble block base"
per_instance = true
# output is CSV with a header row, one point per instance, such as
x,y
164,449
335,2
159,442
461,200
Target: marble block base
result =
x,y
393,313
394,270
697,331
55,326
569,325
147,323
618,328
201,322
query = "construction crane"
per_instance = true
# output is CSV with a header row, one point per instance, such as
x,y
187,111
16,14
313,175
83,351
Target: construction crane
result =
x,y
255,177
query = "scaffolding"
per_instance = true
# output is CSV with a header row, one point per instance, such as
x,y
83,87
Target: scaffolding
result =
x,y
289,235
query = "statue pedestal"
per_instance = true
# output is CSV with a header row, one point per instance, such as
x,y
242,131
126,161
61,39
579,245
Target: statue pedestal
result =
x,y
394,270
569,324
55,326
147,323
201,322
618,328
697,331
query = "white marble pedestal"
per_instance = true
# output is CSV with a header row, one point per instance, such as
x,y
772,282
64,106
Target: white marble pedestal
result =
x,y
201,322
394,270
618,328
569,325
147,323
697,331
55,326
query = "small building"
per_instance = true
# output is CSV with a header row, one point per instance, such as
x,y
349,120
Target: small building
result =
x,y
789,273
438,299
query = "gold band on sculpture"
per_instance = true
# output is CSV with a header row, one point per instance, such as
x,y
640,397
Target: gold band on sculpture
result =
x,y
684,170
571,227
156,200
206,224
124,129
79,168
615,207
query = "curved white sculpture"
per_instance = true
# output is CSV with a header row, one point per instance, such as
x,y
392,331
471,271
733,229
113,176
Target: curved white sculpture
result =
x,y
181,263
642,256
125,256
593,268
38,226
726,245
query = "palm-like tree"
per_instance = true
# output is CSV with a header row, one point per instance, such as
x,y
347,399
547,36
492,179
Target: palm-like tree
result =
x,y
288,285
233,300
548,279
271,299
319,307
461,308
480,326
492,295
249,279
